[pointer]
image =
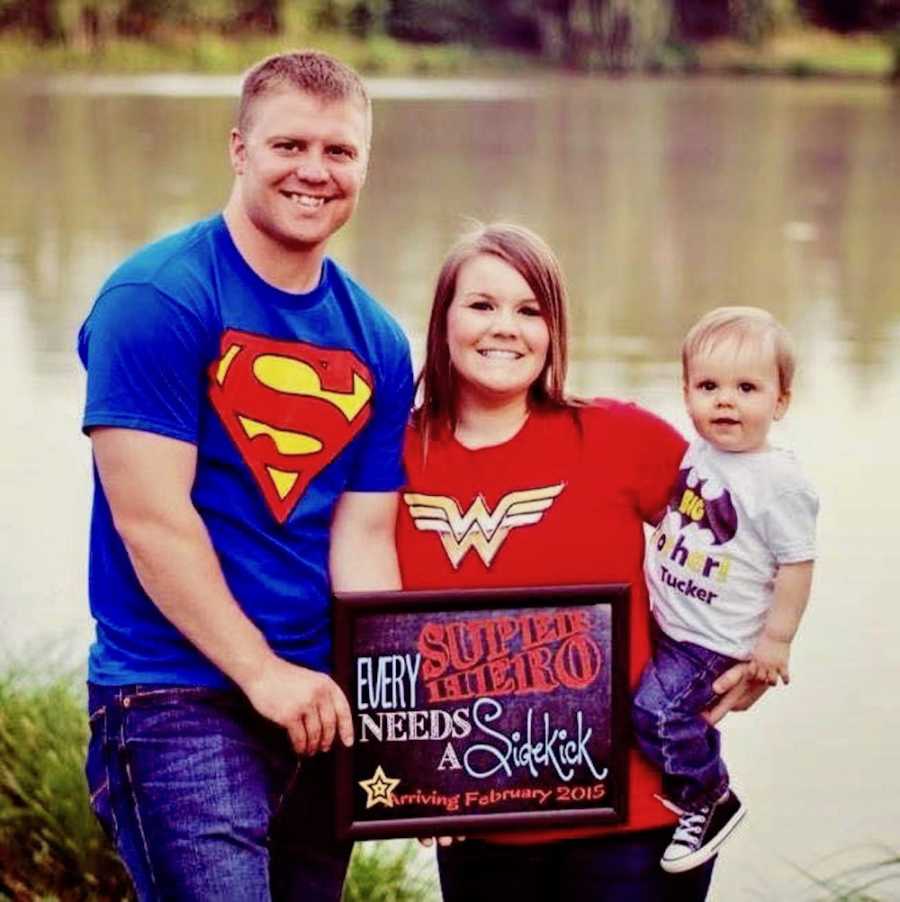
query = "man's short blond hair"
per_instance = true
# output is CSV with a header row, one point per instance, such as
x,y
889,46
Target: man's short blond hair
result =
x,y
743,324
310,71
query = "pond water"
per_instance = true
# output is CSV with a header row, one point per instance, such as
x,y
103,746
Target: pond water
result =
x,y
663,199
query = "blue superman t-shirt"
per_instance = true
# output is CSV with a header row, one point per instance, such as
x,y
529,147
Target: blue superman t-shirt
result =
x,y
290,399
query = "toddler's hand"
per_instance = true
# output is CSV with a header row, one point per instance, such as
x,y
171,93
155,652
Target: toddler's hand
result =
x,y
769,661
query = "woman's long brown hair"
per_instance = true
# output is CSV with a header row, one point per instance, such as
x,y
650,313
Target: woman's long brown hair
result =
x,y
530,256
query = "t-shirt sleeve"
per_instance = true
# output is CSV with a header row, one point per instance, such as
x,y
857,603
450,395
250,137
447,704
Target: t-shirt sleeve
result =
x,y
656,452
379,455
789,525
145,355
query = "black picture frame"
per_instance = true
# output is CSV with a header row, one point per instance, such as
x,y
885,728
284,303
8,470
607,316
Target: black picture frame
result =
x,y
538,678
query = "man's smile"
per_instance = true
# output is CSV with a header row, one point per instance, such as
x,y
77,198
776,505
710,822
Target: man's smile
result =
x,y
309,201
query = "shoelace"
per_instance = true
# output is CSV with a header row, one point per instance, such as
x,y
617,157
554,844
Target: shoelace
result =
x,y
690,827
666,803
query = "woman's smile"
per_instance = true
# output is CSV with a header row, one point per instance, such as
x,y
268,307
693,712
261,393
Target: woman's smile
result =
x,y
496,332
499,354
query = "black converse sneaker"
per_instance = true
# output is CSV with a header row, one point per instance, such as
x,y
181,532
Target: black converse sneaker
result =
x,y
700,833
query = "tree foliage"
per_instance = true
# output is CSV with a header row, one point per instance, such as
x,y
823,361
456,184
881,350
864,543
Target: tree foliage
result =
x,y
92,21
853,15
583,34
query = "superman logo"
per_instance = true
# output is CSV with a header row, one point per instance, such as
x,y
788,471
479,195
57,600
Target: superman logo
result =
x,y
289,407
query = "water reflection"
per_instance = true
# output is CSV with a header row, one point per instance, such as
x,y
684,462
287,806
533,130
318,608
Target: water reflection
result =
x,y
663,199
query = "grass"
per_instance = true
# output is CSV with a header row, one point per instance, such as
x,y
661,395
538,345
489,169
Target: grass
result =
x,y
875,876
211,52
802,52
795,51
51,847
393,871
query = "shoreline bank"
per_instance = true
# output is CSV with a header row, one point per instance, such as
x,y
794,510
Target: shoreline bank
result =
x,y
800,53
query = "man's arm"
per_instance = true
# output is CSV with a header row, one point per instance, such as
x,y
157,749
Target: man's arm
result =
x,y
147,480
773,648
363,551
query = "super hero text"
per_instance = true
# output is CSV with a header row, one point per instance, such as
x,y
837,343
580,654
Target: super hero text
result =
x,y
494,708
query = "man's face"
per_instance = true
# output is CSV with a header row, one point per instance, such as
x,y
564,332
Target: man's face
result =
x,y
301,162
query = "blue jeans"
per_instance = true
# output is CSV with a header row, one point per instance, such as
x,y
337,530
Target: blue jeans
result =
x,y
617,868
675,688
204,798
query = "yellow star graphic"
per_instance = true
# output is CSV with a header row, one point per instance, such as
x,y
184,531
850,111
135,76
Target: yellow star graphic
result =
x,y
379,789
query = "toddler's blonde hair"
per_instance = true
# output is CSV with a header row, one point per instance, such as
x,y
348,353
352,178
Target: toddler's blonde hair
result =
x,y
742,324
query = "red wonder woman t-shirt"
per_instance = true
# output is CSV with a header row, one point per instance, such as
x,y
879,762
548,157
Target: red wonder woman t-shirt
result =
x,y
590,476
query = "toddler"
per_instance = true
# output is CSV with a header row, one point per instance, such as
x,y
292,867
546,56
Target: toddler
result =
x,y
729,567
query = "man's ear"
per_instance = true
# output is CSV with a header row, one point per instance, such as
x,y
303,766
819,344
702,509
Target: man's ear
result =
x,y
237,151
781,406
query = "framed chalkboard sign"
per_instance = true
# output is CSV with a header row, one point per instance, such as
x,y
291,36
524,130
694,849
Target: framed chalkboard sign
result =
x,y
483,710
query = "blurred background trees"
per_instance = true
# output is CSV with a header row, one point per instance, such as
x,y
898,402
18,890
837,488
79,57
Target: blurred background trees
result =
x,y
611,35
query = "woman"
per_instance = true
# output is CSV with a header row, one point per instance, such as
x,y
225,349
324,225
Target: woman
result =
x,y
494,422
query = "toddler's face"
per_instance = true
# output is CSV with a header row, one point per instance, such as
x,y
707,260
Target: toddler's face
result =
x,y
733,394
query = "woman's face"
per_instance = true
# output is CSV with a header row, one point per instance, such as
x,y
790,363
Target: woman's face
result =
x,y
496,332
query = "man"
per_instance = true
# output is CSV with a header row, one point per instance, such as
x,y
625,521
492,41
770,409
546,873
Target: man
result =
x,y
246,403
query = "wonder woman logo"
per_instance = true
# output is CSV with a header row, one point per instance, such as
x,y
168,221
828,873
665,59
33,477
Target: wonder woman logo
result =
x,y
479,527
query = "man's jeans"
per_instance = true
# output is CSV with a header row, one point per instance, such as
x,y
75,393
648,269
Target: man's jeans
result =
x,y
675,688
204,798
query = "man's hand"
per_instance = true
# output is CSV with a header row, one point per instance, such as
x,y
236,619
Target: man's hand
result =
x,y
308,704
769,660
737,690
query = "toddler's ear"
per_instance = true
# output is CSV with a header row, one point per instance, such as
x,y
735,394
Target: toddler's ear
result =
x,y
784,401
